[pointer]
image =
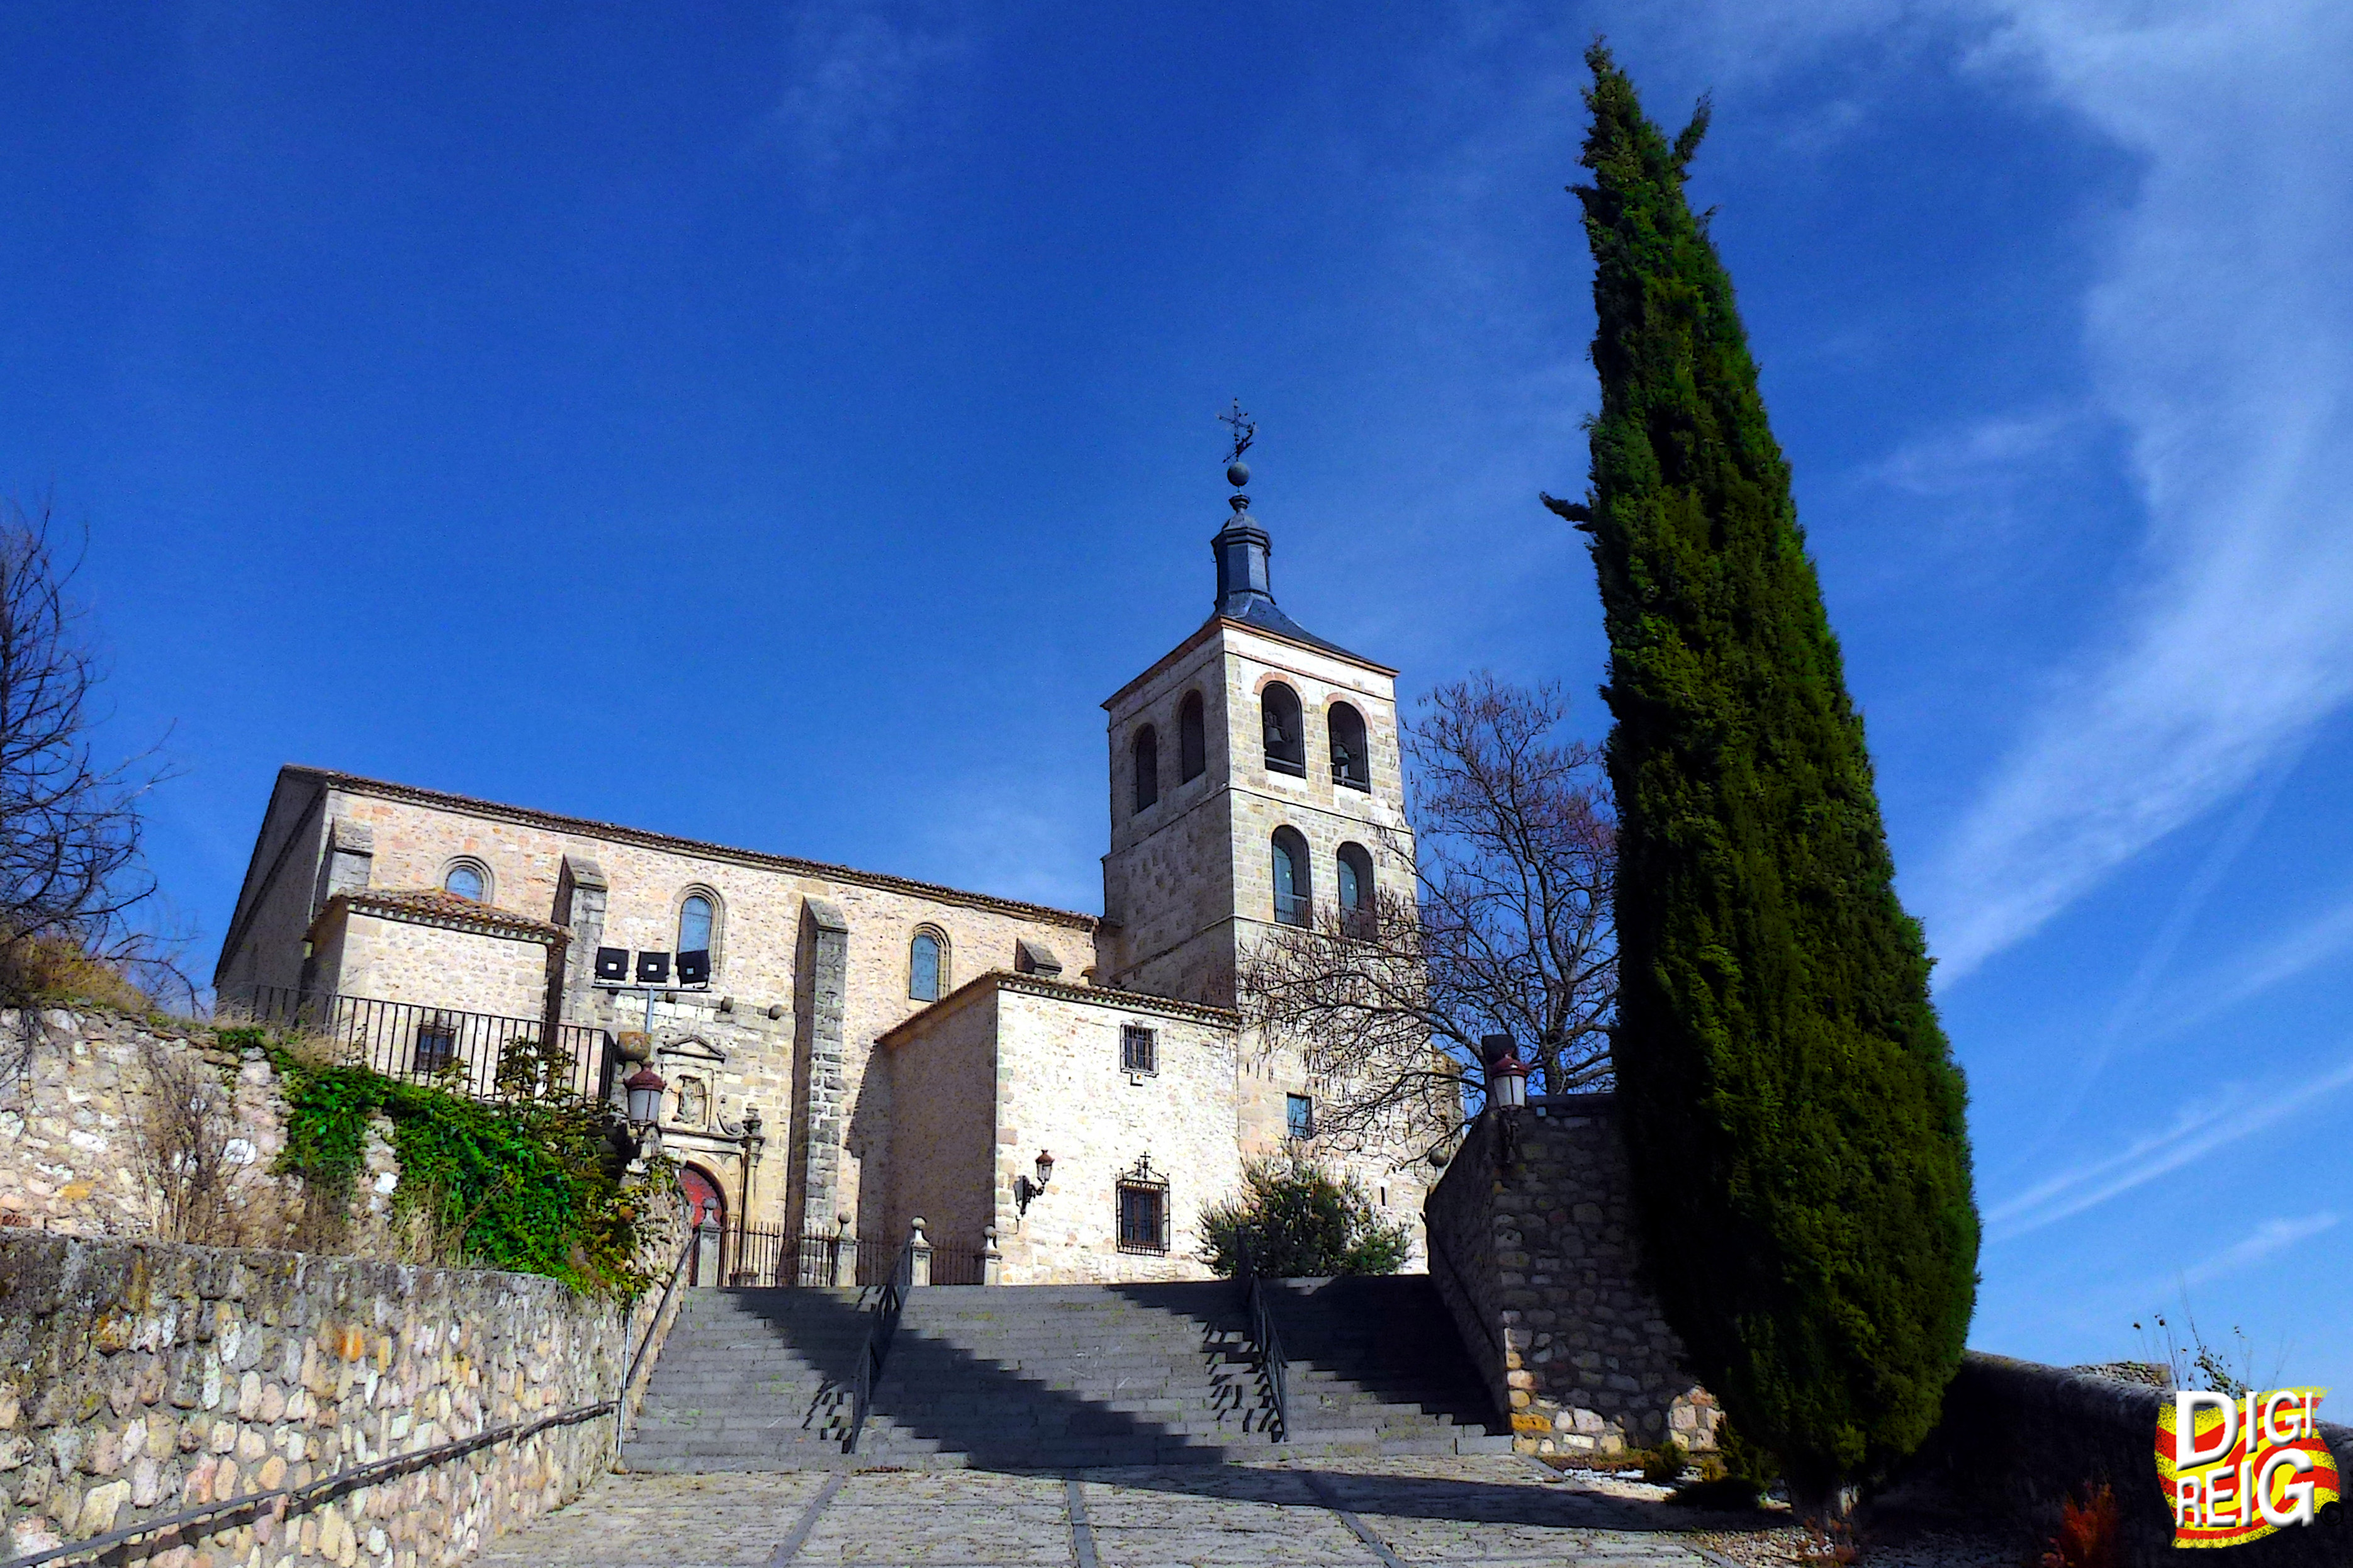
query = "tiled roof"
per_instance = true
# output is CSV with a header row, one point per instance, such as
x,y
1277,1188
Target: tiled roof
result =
x,y
438,906
615,833
1092,995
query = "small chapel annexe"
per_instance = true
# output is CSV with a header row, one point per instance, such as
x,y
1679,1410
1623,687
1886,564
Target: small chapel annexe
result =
x,y
844,1051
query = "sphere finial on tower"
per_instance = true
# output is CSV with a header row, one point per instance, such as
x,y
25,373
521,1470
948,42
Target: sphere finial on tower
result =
x,y
1244,430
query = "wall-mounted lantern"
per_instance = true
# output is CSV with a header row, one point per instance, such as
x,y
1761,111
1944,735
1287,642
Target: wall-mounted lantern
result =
x,y
1507,1075
1026,1189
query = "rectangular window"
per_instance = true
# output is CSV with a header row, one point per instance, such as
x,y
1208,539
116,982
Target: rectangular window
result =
x,y
1138,1051
436,1046
1142,1218
1298,1116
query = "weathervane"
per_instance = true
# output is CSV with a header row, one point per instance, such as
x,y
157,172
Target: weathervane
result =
x,y
1245,431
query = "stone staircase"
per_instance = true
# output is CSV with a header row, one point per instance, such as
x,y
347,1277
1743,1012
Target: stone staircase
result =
x,y
1059,1376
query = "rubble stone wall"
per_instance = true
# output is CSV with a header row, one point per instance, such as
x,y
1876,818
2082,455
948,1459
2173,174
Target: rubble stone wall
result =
x,y
71,1141
1533,1248
141,1379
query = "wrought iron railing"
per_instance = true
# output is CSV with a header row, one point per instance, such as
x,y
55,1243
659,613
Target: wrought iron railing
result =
x,y
477,1054
1272,1364
771,1256
959,1265
880,1328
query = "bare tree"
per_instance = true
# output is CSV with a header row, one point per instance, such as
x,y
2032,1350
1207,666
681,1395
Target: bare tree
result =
x,y
1507,929
71,873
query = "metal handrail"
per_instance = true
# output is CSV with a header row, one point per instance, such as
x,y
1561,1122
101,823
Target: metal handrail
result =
x,y
646,1339
1272,1364
284,1500
879,1331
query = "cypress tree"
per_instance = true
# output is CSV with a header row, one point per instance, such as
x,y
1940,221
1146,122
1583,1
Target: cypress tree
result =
x,y
1793,1115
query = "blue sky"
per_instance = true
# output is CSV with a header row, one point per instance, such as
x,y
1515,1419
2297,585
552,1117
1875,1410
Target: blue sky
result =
x,y
785,427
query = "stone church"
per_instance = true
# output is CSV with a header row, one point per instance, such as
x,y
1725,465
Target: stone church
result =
x,y
843,1051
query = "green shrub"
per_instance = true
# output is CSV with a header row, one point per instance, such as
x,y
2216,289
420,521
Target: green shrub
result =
x,y
1301,1222
536,1186
1664,1465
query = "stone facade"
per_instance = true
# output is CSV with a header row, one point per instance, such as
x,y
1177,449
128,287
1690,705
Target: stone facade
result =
x,y
353,889
139,1380
1532,1247
419,950
1046,1059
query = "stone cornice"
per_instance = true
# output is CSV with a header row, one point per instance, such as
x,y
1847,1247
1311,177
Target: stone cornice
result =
x,y
613,833
1216,623
1062,991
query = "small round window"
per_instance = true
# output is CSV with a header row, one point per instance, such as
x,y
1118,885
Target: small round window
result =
x,y
468,879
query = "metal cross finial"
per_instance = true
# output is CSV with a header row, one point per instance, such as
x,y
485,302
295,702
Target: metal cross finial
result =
x,y
1244,428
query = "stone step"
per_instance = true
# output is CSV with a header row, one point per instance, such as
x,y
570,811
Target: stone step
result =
x,y
1059,1377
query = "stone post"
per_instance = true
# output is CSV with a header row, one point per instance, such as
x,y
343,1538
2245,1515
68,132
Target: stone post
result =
x,y
708,1241
844,1253
992,1261
919,1247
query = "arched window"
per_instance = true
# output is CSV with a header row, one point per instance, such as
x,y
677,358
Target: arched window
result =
x,y
1286,736
468,879
696,913
1293,899
1351,764
927,965
1192,740
1147,767
1356,888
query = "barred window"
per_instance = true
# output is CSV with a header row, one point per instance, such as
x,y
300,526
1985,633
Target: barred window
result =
x,y
1298,1116
1143,1216
1139,1050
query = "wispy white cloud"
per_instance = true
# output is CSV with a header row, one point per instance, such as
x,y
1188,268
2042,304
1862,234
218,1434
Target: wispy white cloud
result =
x,y
855,72
2223,342
1967,460
2224,1116
2267,1240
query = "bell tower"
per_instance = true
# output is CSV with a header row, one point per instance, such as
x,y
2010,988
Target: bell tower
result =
x,y
1255,780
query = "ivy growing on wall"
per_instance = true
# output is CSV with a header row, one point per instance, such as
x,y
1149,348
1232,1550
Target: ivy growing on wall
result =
x,y
531,1185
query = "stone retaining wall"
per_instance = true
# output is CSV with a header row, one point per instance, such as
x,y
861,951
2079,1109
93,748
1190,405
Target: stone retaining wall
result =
x,y
142,1379
1532,1245
2018,1438
71,1155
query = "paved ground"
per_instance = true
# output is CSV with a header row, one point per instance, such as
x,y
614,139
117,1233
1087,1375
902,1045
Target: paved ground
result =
x,y
1493,1510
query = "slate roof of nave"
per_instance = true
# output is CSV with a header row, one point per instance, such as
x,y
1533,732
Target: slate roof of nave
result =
x,y
585,828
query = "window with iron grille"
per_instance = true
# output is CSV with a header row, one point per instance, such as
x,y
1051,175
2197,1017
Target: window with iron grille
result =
x,y
437,1044
1143,1216
1299,1115
1139,1051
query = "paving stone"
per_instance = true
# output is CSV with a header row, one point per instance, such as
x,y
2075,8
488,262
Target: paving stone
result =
x,y
1488,1510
